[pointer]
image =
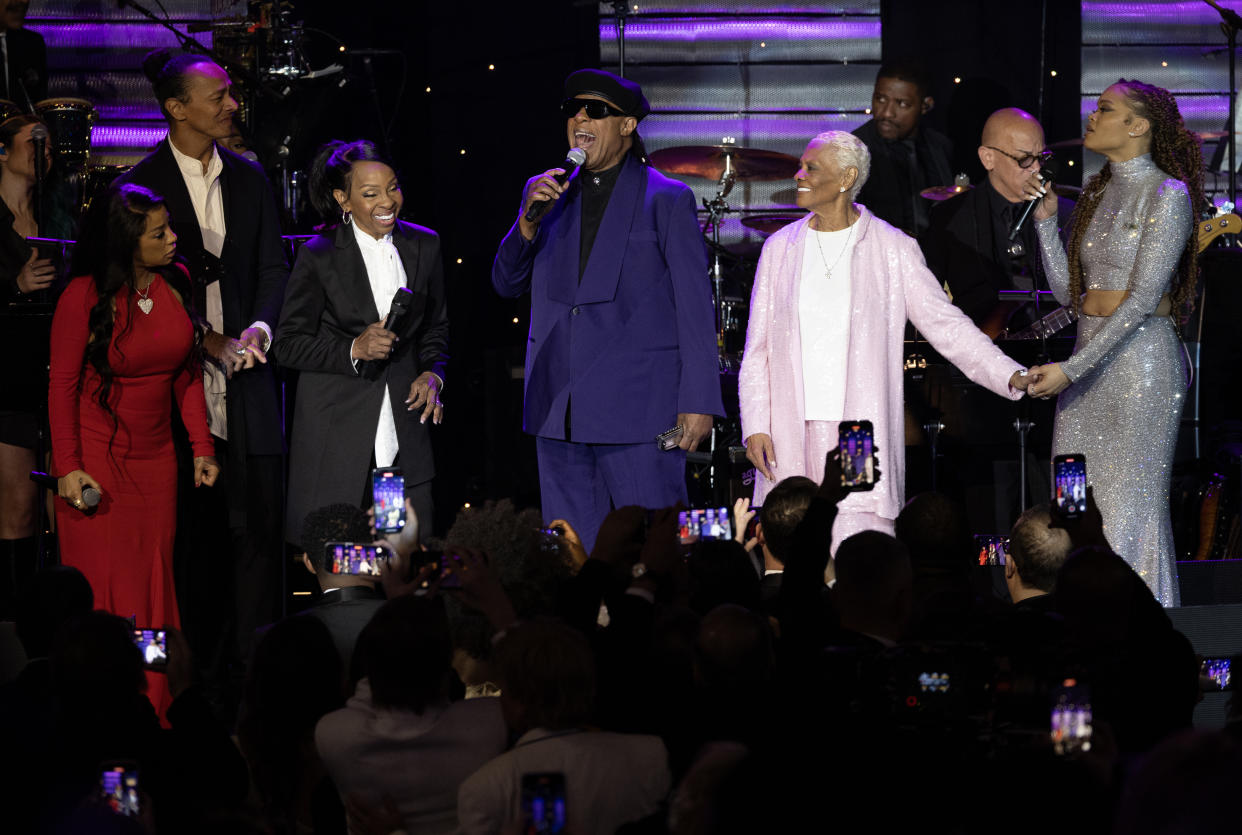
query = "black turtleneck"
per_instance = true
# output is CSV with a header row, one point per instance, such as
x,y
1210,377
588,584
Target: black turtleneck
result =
x,y
596,189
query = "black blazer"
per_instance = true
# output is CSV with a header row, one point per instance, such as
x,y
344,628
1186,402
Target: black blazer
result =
x,y
886,193
252,279
327,304
27,74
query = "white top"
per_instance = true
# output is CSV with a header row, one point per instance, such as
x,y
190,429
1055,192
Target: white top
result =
x,y
824,321
386,275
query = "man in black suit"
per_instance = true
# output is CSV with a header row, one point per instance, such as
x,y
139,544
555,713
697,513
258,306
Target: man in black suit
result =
x,y
783,508
349,601
223,212
24,55
906,155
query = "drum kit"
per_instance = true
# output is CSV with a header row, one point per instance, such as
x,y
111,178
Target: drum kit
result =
x,y
726,164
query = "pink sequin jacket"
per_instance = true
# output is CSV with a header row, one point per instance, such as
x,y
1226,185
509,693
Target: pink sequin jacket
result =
x,y
889,282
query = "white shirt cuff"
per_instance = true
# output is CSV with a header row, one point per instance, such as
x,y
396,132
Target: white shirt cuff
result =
x,y
267,343
353,361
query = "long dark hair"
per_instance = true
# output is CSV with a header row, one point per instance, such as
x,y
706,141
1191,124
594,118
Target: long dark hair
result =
x,y
1174,150
166,69
333,168
112,241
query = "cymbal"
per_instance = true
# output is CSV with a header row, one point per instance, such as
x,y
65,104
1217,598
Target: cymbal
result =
x,y
939,193
708,162
767,224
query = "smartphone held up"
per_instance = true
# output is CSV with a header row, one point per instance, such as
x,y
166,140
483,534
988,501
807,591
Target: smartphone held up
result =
x,y
856,442
1069,485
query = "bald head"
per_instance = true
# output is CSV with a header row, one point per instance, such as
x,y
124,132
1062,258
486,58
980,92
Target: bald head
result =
x,y
1008,134
1037,551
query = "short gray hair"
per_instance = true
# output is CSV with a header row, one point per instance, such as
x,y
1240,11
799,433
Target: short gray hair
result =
x,y
849,152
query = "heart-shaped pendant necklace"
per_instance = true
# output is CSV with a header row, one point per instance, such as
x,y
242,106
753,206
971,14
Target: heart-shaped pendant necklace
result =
x,y
144,302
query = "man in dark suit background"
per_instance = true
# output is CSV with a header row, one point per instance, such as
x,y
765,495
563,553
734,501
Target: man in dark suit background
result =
x,y
906,155
24,54
349,601
224,214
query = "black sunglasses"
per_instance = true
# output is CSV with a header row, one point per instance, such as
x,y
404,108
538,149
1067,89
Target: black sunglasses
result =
x,y
1025,160
595,109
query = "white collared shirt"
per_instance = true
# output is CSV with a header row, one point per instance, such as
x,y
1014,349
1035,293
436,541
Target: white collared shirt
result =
x,y
385,274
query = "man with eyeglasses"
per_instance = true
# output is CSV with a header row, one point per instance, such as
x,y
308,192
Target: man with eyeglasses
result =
x,y
622,339
907,156
967,242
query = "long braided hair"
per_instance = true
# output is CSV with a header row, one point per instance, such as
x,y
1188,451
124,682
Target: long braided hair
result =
x,y
1174,150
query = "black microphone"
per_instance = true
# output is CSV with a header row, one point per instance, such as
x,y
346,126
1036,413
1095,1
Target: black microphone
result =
x,y
38,136
397,312
90,496
576,157
1048,172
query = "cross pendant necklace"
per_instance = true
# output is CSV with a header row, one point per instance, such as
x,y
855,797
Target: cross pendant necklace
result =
x,y
829,267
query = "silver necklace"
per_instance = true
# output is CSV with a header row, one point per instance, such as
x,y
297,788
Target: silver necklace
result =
x,y
827,267
144,302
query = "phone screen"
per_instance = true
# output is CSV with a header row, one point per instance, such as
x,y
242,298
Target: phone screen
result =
x,y
991,550
543,802
388,494
1071,718
1216,674
1069,484
354,558
118,787
704,523
856,441
153,644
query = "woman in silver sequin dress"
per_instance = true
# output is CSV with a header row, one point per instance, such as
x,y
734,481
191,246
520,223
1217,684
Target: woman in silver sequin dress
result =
x,y
1131,266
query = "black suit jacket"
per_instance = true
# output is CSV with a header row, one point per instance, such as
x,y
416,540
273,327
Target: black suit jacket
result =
x,y
345,612
328,303
887,192
252,279
959,246
27,67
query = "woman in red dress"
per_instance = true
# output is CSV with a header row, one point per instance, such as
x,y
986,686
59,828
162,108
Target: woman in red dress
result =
x,y
124,347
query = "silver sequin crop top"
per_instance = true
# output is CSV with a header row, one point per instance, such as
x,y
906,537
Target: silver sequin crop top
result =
x,y
1134,242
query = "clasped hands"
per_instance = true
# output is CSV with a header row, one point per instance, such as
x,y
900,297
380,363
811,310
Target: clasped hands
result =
x,y
1041,381
239,354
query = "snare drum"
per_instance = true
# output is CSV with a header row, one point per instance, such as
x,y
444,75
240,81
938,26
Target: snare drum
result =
x,y
8,109
69,120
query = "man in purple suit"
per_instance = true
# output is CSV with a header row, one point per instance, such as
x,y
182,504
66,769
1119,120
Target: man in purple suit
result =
x,y
622,344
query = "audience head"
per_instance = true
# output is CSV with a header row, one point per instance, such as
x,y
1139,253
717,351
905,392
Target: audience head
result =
x,y
733,652
1036,554
529,564
783,508
406,653
334,523
1186,784
54,596
901,97
1105,602
17,149
933,528
874,584
547,676
722,572
95,662
193,93
354,181
1010,150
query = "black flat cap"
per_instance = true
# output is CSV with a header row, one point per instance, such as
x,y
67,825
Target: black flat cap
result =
x,y
622,92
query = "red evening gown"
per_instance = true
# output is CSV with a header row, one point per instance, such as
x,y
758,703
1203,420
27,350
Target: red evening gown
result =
x,y
125,548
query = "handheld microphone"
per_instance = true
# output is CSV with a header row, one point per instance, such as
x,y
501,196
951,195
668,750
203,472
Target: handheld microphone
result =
x,y
397,312
1048,172
90,496
576,157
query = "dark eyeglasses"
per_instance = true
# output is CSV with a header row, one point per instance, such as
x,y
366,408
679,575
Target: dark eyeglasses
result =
x,y
595,109
1025,160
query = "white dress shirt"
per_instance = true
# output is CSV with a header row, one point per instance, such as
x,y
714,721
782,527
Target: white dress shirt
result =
x,y
208,201
386,275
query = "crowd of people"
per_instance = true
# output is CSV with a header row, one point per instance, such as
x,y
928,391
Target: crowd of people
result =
x,y
580,667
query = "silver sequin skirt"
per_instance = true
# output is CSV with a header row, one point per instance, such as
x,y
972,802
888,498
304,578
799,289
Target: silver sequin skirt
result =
x,y
1123,416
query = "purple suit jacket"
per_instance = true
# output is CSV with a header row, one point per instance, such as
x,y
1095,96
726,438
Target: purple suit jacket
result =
x,y
633,344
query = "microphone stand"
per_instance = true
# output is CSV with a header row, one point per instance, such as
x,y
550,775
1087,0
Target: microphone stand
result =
x,y
620,10
1230,23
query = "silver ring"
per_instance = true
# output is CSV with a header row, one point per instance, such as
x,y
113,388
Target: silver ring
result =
x,y
240,351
